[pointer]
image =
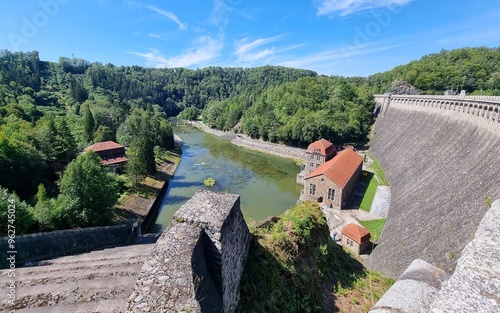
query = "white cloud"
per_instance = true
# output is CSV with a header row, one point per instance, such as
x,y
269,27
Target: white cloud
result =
x,y
347,7
154,36
205,48
221,8
329,61
247,52
169,15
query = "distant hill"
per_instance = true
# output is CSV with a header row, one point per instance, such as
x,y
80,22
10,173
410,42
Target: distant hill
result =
x,y
473,69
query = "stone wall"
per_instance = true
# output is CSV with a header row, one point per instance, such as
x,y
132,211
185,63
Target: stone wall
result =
x,y
48,245
473,287
443,169
198,261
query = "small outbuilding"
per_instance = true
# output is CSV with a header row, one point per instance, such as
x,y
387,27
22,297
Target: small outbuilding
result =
x,y
356,238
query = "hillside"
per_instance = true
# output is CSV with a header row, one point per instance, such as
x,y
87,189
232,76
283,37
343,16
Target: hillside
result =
x,y
444,174
476,70
294,266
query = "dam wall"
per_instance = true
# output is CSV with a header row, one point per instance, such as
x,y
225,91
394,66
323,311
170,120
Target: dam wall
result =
x,y
442,159
197,263
473,287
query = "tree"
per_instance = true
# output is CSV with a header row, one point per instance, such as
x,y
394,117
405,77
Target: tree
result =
x,y
64,143
136,168
22,220
21,166
189,113
88,124
89,190
104,133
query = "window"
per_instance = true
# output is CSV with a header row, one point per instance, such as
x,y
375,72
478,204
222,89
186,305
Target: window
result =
x,y
312,189
331,194
349,242
311,164
317,164
312,157
317,157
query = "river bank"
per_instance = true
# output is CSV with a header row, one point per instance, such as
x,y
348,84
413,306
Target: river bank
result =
x,y
244,141
138,203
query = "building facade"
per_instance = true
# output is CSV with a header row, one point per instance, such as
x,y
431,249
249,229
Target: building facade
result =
x,y
317,153
333,181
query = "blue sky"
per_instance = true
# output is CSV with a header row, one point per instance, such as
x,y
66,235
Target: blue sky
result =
x,y
332,37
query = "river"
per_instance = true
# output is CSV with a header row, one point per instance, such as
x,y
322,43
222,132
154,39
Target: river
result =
x,y
265,183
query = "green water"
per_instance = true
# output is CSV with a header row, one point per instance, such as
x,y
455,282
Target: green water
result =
x,y
265,183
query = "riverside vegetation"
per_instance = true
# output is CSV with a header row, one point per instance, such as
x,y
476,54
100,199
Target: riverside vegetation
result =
x,y
294,266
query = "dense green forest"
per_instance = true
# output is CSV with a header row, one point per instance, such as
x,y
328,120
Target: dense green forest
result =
x,y
299,112
50,111
476,70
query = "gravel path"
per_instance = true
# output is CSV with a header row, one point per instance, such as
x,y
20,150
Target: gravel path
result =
x,y
381,202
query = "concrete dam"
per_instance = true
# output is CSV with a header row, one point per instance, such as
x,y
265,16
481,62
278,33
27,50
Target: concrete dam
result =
x,y
441,156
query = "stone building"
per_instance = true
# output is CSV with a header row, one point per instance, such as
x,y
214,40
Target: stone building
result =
x,y
111,153
317,153
333,181
355,238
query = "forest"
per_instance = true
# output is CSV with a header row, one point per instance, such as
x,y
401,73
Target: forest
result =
x,y
51,111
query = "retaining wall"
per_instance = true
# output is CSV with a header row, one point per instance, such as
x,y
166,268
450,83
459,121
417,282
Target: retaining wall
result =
x,y
48,245
443,167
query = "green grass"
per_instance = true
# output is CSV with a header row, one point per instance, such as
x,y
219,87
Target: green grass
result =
x,y
371,182
375,227
379,173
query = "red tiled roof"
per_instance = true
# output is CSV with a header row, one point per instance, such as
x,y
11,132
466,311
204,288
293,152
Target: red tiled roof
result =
x,y
356,233
114,161
323,145
103,146
339,169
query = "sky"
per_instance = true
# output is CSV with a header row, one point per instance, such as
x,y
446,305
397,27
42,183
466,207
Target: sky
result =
x,y
331,37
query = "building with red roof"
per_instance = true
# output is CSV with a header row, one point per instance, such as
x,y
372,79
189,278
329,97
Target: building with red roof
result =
x,y
333,181
355,238
111,153
318,153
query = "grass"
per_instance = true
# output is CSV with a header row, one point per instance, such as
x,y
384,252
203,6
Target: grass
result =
x,y
136,201
364,293
371,182
293,266
379,173
375,227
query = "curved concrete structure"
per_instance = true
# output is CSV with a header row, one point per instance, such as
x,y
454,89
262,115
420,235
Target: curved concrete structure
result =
x,y
441,156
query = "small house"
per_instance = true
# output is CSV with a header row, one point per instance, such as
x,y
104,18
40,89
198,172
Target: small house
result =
x,y
111,153
356,238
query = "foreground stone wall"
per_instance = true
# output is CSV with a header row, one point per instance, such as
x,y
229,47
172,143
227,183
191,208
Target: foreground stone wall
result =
x,y
475,284
443,169
197,263
473,287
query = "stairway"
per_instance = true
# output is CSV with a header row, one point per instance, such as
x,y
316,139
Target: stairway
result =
x,y
99,281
